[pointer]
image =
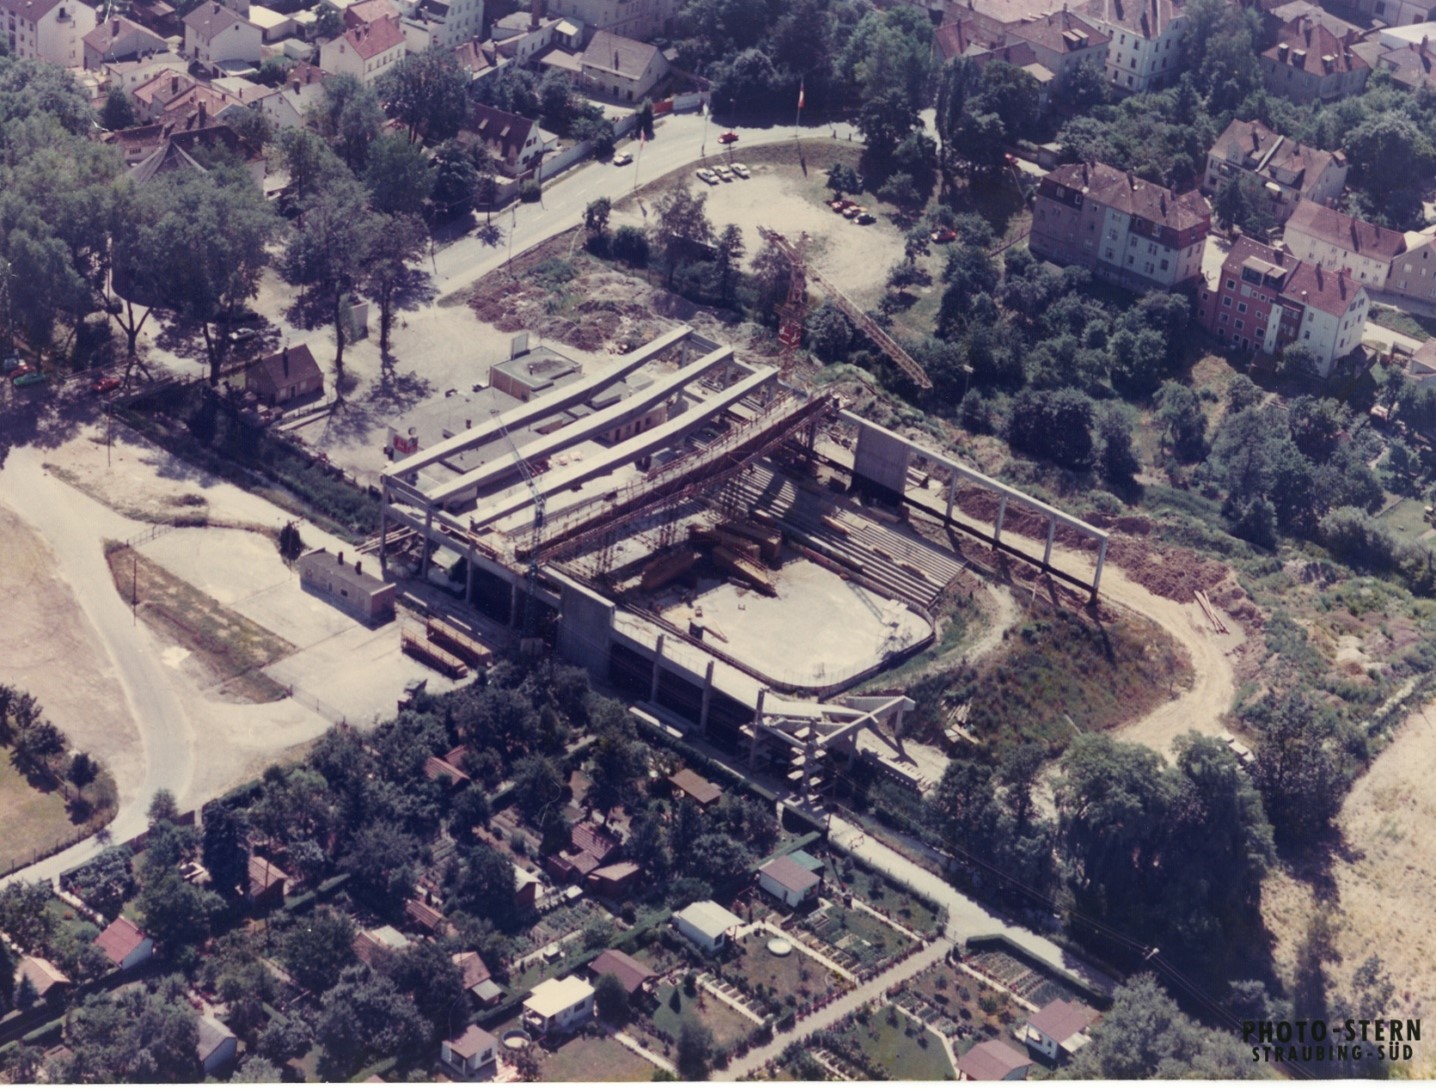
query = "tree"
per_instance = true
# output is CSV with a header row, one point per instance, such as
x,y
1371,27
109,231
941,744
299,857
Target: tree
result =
x,y
428,975
326,256
694,1049
257,1070
682,226
595,217
428,93
163,808
1184,426
827,332
844,179
645,120
34,749
1117,457
1390,156
348,115
486,885
83,770
399,242
225,849
1055,424
455,179
399,176
119,110
175,912
610,998
382,861
540,788
727,262
136,1036
317,949
1145,1035
364,1016
25,915
1240,201
620,767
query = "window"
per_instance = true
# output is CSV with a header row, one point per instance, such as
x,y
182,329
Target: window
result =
x,y
1306,335
1231,284
1239,323
1241,308
1227,301
1164,264
1222,319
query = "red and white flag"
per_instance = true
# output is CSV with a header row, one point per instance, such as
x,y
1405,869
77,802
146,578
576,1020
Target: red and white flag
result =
x,y
800,94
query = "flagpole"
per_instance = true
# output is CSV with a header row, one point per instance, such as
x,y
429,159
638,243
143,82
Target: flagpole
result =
x,y
798,120
638,158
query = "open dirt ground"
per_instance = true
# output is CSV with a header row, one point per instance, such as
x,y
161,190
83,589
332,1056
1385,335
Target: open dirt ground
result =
x,y
1382,888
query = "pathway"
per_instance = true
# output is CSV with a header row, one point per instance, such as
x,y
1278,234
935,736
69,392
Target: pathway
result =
x,y
642,1052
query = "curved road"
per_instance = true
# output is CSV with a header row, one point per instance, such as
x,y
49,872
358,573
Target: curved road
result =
x,y
167,735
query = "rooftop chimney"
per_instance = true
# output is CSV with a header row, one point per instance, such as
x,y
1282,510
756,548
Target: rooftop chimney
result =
x,y
114,28
358,567
285,358
340,558
535,14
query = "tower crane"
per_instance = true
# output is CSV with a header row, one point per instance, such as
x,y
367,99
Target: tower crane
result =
x,y
791,313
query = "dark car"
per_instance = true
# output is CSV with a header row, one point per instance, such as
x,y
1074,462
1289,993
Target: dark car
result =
x,y
106,384
728,138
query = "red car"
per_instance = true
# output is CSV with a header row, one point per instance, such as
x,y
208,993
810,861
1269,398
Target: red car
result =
x,y
105,384
728,138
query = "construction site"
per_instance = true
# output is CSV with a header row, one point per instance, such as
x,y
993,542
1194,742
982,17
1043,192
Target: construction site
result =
x,y
732,553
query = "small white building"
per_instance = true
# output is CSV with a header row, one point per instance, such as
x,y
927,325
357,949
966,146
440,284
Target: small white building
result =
x,y
993,1060
216,1046
621,68
558,1005
471,1051
1059,1028
789,882
706,924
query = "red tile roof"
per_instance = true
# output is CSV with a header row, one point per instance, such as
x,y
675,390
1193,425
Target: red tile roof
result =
x,y
631,973
992,1060
213,18
1128,193
596,841
1146,18
472,968
1333,227
626,57
437,768
430,918
1062,1019
368,11
695,786
121,938
372,39
1306,45
264,875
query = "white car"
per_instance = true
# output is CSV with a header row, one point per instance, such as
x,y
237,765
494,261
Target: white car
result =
x,y
706,176
740,169
623,158
725,174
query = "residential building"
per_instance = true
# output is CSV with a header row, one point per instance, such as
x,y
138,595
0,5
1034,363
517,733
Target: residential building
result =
x,y
471,1051
452,23
120,39
1310,63
1145,51
46,980
1411,64
1342,243
706,924
789,882
639,19
1130,232
368,599
622,68
363,12
615,881
274,26
637,978
558,1006
1396,12
517,143
216,1045
289,103
1287,170
266,883
1263,299
993,1060
1045,46
284,376
158,17
477,979
1059,1029
216,36
370,945
520,38
479,59
129,74
125,944
48,30
1413,273
365,52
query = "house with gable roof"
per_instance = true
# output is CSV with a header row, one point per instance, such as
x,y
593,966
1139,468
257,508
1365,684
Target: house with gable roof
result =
x,y
216,35
516,143
47,30
366,51
621,68
1287,170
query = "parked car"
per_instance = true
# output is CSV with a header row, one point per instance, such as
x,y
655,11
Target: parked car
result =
x,y
623,158
244,332
706,176
106,384
724,174
728,138
740,169
944,234
34,378
852,211
840,205
864,218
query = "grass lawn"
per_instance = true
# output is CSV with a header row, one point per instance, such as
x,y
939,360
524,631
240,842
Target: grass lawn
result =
x,y
887,898
34,820
727,1024
1407,519
794,974
232,646
901,1048
1399,321
585,1058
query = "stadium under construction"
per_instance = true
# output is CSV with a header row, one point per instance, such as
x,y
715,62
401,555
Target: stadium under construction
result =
x,y
731,552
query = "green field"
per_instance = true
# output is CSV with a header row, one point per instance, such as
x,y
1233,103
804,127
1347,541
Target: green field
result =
x,y
34,820
727,1024
902,1051
586,1058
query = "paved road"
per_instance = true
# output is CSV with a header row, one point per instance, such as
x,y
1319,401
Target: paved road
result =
x,y
678,141
166,732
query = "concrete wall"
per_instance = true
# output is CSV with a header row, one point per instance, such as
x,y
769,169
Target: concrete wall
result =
x,y
882,458
585,624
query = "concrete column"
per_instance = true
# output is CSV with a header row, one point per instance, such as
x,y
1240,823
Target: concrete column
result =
x,y
428,539
513,605
469,577
1101,559
383,534
707,696
757,719
683,353
1051,531
1001,514
951,496
657,669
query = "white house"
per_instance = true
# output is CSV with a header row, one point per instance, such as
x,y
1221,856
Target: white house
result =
x,y
621,68
366,52
1145,52
516,142
216,35
125,944
1343,243
640,19
558,1005
216,1046
789,882
1413,273
1059,1028
47,30
470,1051
451,23
706,924
117,39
